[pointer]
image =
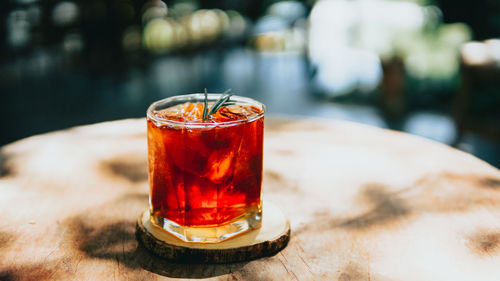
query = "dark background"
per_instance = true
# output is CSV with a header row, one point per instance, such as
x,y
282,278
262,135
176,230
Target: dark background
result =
x,y
67,63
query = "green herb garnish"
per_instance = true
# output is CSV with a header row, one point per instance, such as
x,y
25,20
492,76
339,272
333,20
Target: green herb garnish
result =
x,y
205,105
222,101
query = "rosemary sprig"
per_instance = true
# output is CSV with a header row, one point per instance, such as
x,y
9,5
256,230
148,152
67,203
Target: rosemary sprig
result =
x,y
222,101
205,105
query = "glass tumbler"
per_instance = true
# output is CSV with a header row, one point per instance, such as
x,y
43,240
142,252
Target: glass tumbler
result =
x,y
205,176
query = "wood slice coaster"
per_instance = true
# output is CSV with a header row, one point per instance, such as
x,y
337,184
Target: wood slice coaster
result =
x,y
268,240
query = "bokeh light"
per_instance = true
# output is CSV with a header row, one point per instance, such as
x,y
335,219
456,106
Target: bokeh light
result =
x,y
65,13
18,29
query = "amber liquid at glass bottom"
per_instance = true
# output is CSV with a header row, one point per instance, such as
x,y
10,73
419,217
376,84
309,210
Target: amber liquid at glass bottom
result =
x,y
205,177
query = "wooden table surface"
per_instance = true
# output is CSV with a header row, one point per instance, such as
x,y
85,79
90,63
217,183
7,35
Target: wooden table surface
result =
x,y
364,204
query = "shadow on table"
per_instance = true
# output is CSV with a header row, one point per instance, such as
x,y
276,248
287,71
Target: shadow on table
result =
x,y
5,168
489,182
131,167
387,207
109,237
5,239
116,242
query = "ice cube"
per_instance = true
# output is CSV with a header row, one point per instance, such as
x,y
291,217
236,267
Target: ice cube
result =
x,y
220,165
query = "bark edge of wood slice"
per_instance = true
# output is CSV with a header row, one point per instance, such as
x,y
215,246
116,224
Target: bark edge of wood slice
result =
x,y
272,237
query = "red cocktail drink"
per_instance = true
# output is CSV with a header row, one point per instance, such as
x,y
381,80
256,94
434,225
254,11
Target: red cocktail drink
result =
x,y
205,175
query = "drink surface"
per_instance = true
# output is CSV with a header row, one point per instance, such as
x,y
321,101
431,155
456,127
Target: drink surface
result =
x,y
205,176
193,113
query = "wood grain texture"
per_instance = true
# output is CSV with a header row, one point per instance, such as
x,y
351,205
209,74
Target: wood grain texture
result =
x,y
363,203
269,239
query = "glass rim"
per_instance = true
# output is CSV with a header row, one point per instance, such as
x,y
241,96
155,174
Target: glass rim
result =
x,y
200,97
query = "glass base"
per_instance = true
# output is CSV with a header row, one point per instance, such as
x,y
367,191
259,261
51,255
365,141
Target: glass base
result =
x,y
242,224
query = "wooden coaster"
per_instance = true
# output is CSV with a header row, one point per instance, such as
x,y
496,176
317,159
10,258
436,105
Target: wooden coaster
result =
x,y
268,240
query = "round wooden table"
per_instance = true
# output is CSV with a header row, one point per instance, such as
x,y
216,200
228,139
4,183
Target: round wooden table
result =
x,y
363,203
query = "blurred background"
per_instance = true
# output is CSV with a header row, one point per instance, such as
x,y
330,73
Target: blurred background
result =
x,y
426,67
